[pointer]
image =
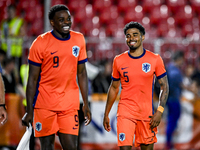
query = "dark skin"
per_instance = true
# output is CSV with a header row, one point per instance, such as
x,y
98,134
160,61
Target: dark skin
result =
x,y
134,40
69,142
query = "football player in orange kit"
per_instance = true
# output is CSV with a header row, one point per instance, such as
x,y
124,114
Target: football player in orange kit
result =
x,y
136,69
56,58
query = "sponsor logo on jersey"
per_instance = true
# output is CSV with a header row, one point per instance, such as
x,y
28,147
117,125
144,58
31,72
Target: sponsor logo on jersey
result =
x,y
146,67
122,136
75,51
38,126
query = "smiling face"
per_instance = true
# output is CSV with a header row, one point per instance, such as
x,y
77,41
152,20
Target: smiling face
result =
x,y
134,38
61,23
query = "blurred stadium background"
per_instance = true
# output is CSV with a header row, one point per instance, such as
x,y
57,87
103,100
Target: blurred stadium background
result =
x,y
170,25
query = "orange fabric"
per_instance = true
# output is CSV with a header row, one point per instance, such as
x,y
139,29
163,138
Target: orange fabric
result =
x,y
58,89
48,122
127,128
137,76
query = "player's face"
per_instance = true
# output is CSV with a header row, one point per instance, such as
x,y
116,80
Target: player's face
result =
x,y
61,22
134,38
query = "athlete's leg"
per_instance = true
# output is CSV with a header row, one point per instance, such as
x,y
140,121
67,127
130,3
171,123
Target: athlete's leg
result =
x,y
146,147
125,147
68,141
47,142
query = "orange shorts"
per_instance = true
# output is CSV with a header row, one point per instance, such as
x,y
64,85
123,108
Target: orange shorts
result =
x,y
127,128
47,122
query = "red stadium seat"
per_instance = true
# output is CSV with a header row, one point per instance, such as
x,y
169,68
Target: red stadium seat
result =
x,y
149,4
123,5
101,5
159,14
174,5
134,14
196,6
184,15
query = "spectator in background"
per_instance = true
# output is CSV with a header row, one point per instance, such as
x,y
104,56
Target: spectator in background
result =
x,y
102,82
2,56
12,84
196,73
12,32
175,79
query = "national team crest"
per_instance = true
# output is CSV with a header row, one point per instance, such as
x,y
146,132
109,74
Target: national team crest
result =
x,y
38,126
75,51
146,67
122,136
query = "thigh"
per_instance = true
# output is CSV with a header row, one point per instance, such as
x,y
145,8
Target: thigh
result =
x,y
144,135
125,131
68,122
47,142
68,141
45,122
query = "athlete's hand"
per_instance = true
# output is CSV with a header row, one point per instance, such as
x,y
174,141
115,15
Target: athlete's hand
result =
x,y
155,119
87,114
27,118
106,123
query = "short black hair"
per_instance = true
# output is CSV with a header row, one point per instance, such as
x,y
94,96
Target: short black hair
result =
x,y
55,9
177,55
136,25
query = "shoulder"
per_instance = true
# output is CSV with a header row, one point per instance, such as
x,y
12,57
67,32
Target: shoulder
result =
x,y
122,55
43,37
77,34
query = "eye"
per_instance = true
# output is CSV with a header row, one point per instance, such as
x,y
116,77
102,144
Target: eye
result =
x,y
69,19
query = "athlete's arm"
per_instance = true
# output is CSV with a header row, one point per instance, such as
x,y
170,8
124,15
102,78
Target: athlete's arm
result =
x,y
112,94
83,85
3,114
164,91
34,72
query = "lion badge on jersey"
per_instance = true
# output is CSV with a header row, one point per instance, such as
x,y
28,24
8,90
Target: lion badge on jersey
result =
x,y
122,136
38,126
146,67
75,51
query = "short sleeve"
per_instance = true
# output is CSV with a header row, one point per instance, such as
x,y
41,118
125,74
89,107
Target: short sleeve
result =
x,y
82,53
115,72
36,52
160,70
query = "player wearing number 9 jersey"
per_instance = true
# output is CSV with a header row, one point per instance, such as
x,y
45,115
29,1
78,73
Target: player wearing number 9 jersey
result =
x,y
136,70
56,59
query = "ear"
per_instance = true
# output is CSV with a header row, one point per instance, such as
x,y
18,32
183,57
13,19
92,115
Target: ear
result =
x,y
143,37
52,23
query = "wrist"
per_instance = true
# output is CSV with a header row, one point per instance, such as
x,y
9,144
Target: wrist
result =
x,y
3,105
160,109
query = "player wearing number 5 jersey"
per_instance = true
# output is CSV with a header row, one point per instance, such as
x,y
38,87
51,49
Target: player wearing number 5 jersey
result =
x,y
56,59
136,70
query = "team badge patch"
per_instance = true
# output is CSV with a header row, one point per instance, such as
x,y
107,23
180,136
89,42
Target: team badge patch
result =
x,y
122,136
38,126
146,67
75,51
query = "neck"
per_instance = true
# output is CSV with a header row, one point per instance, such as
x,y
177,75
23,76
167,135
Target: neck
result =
x,y
136,52
61,35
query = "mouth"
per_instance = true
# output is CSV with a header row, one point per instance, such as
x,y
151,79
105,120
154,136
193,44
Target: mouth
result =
x,y
132,43
66,28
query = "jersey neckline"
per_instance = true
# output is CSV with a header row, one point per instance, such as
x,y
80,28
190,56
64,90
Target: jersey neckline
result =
x,y
137,56
60,38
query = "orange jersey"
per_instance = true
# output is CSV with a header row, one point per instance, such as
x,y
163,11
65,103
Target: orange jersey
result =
x,y
58,58
137,81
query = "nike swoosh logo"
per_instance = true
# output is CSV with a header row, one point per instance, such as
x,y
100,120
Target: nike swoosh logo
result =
x,y
75,128
124,68
53,52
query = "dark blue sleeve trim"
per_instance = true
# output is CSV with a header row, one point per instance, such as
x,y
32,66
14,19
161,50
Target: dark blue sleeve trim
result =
x,y
162,75
1,69
115,79
82,61
34,63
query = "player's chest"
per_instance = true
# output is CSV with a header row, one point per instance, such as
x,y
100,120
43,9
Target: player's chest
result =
x,y
137,69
